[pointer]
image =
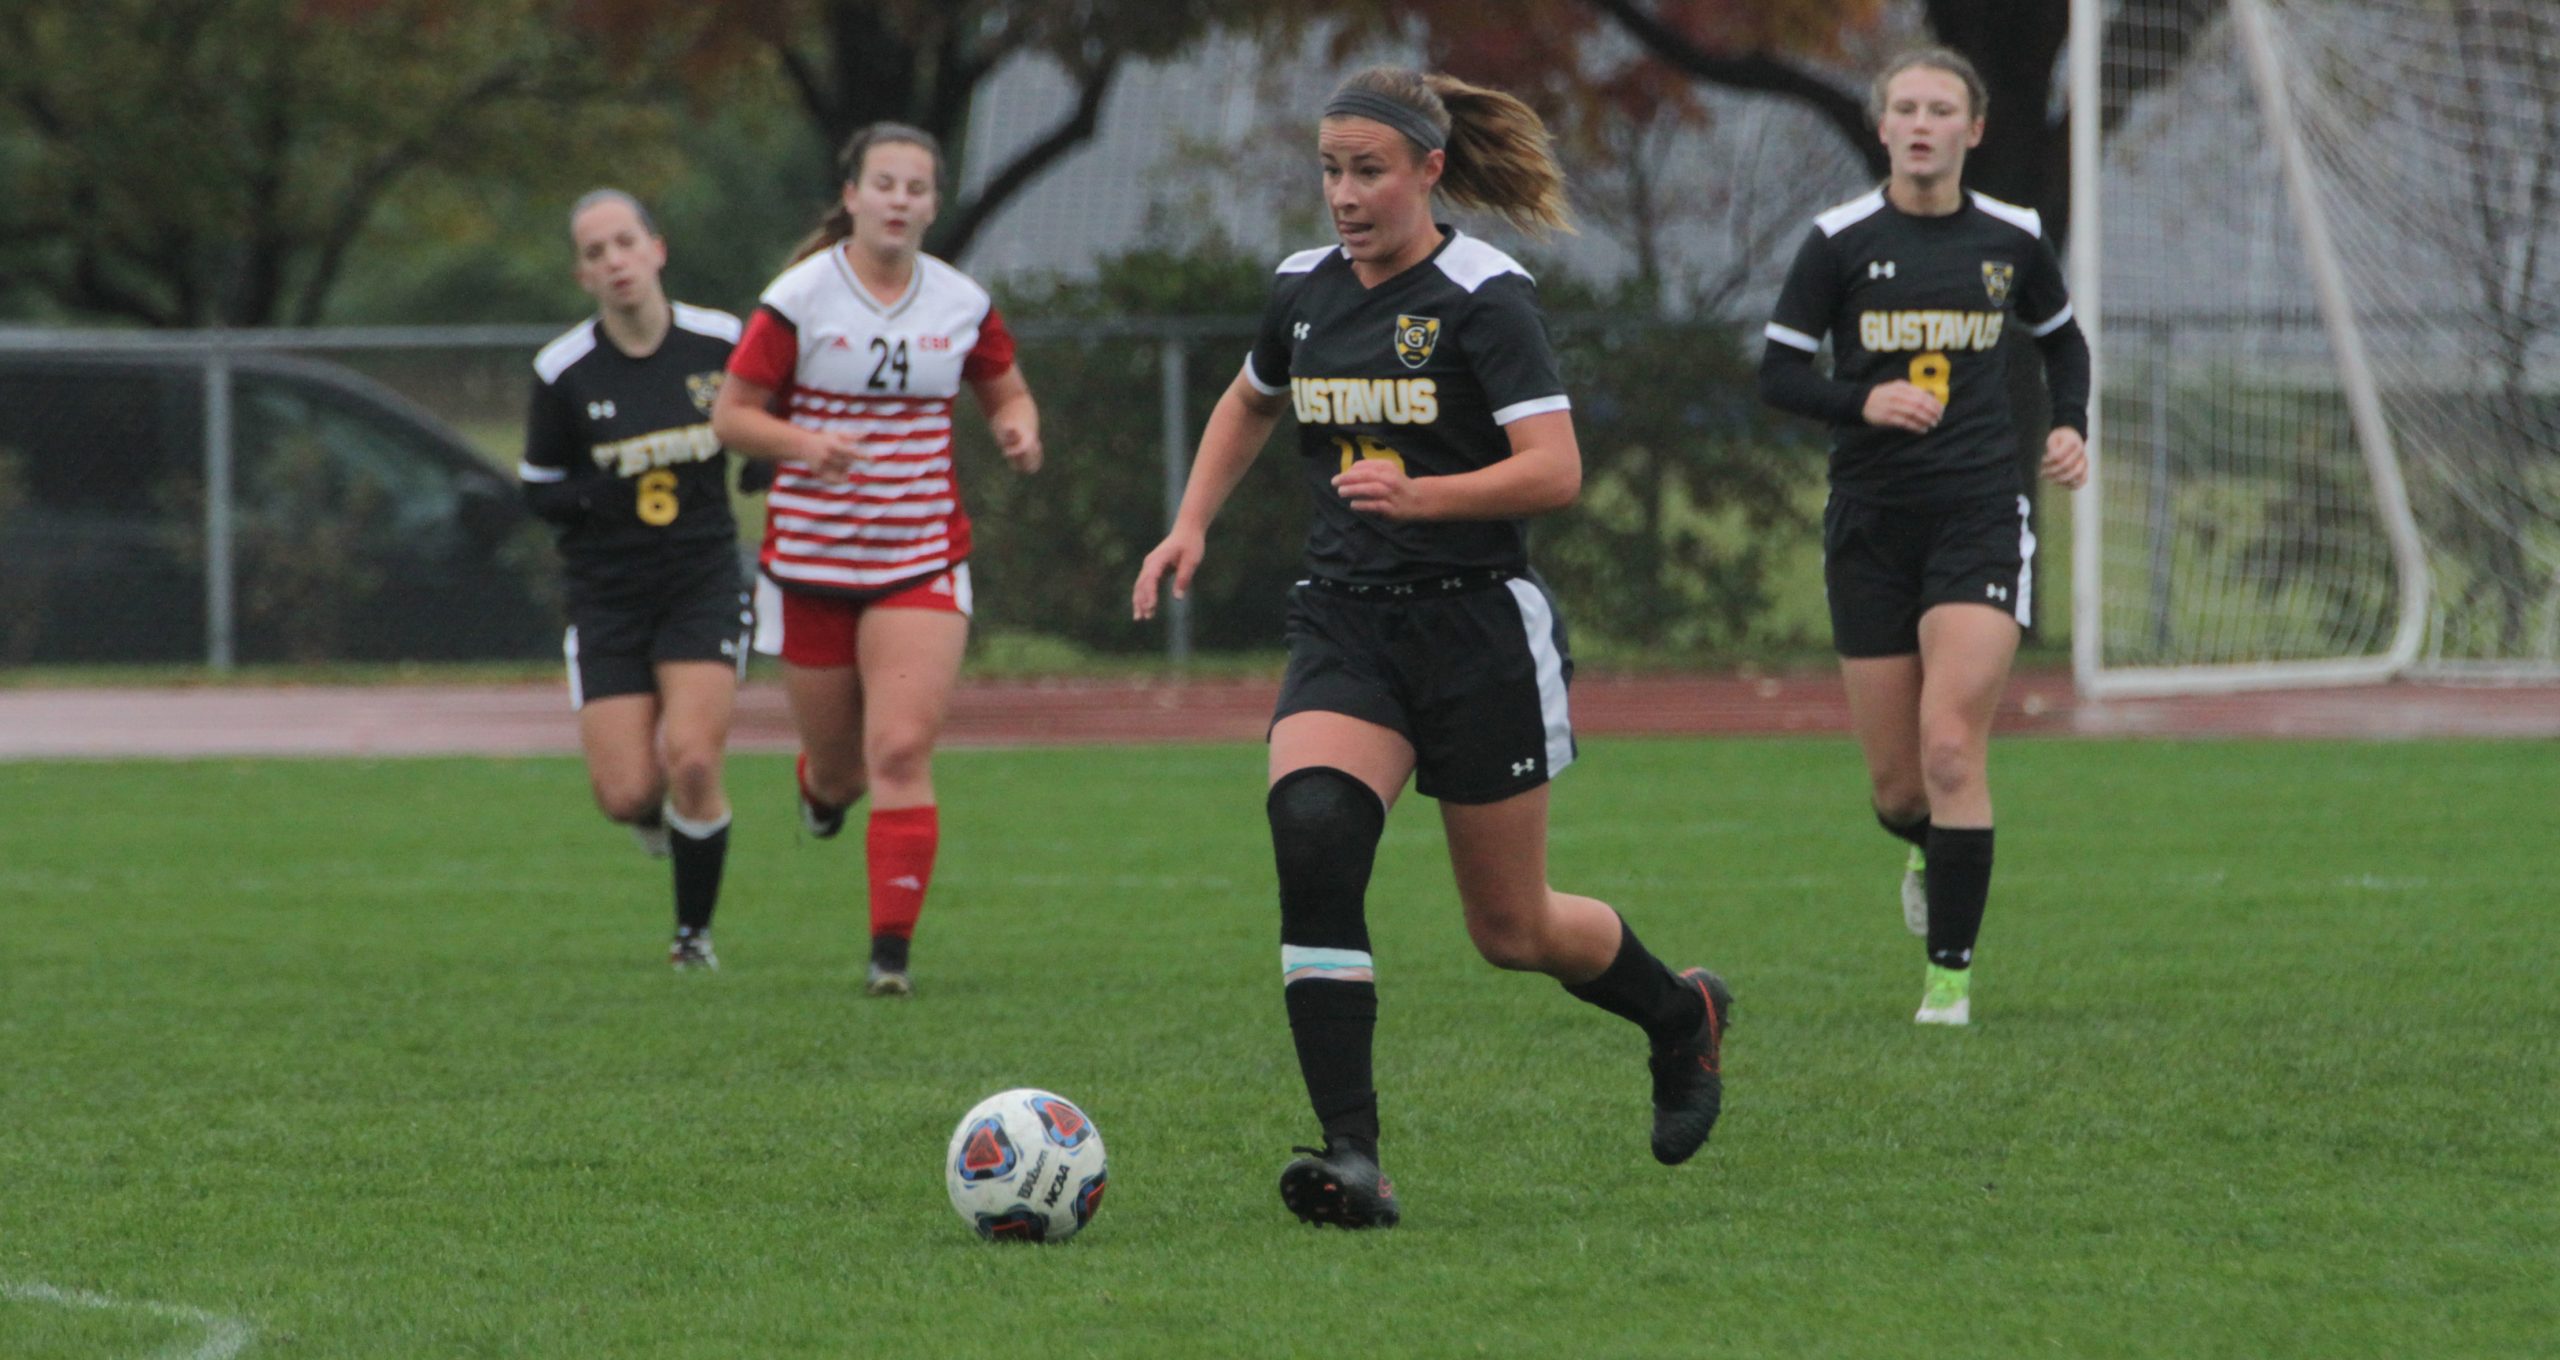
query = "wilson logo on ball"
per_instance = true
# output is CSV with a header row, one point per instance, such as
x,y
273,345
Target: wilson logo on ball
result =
x,y
986,1153
1066,1124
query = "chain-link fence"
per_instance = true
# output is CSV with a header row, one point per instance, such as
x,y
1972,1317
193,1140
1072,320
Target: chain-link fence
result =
x,y
237,497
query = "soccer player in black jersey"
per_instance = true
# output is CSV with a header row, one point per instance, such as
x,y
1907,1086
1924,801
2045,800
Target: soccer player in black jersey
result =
x,y
1926,548
620,458
1431,425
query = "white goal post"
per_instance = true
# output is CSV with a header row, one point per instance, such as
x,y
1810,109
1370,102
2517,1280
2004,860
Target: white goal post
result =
x,y
2316,246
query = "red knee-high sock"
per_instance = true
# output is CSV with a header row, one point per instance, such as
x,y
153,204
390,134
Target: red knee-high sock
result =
x,y
901,843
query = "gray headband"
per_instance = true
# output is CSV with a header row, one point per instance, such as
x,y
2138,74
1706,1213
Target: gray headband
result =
x,y
1394,113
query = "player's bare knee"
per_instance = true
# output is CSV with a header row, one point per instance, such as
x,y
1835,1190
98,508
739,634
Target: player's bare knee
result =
x,y
693,767
1509,945
1902,800
1950,765
627,800
898,757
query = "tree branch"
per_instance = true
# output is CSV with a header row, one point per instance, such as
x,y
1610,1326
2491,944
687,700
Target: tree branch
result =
x,y
1762,74
962,226
355,207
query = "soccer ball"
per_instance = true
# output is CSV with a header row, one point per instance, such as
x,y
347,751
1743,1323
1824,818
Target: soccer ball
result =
x,y
1025,1166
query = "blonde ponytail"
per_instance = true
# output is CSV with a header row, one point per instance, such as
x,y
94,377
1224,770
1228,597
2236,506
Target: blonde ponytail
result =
x,y
1499,157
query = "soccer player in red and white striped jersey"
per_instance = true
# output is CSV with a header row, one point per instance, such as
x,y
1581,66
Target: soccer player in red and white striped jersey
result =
x,y
846,377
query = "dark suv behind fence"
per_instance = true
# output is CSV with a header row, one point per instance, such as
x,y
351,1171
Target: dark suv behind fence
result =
x,y
362,528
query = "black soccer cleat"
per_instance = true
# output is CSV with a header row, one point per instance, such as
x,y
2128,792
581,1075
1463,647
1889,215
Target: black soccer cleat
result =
x,y
692,952
1688,1076
822,820
1343,1189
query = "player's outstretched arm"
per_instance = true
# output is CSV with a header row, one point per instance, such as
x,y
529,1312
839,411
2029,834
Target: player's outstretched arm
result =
x,y
1013,417
1238,428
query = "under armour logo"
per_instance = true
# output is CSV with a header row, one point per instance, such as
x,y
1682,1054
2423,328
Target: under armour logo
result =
x,y
1299,331
1519,767
599,410
728,646
907,881
1879,269
1997,592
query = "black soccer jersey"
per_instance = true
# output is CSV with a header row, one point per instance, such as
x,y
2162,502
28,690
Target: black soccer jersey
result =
x,y
1426,369
1926,300
619,451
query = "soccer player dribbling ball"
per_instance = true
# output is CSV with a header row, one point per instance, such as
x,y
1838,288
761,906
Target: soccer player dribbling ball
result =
x,y
846,377
621,460
1432,425
1926,547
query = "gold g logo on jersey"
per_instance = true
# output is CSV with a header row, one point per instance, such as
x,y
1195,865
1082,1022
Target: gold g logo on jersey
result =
x,y
704,388
1995,281
1415,337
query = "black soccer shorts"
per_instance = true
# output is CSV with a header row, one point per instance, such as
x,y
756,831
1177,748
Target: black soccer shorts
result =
x,y
1885,566
1471,669
694,609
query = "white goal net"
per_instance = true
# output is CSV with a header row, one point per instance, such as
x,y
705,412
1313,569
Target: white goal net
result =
x,y
2326,282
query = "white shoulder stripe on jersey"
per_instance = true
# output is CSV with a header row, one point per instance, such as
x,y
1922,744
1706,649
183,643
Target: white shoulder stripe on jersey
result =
x,y
710,321
2043,329
1254,378
535,473
1535,406
1833,221
1305,260
2027,220
574,344
1471,264
1792,338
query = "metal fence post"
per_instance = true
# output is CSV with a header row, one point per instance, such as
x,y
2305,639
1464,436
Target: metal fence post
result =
x,y
2162,503
218,617
1173,366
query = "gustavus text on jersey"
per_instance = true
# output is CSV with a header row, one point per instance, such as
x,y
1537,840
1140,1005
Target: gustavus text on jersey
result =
x,y
1891,332
663,448
1365,401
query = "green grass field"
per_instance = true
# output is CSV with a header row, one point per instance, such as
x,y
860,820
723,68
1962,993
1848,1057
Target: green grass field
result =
x,y
381,1059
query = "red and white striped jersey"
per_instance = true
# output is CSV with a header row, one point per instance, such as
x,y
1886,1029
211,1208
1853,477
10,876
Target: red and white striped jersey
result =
x,y
844,362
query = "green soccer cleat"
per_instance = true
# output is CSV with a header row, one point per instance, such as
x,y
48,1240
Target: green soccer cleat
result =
x,y
1915,893
1948,997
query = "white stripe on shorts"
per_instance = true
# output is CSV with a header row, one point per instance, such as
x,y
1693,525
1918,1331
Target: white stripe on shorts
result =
x,y
768,616
1540,622
569,649
2026,566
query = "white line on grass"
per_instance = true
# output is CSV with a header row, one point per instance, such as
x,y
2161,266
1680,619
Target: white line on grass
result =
x,y
224,1337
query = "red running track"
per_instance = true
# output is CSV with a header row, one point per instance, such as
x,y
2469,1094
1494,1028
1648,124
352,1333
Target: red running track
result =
x,y
516,719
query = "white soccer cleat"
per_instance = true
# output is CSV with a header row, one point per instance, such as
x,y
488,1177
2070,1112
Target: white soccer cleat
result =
x,y
1915,893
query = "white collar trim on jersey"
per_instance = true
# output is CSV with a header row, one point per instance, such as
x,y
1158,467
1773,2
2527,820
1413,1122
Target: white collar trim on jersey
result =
x,y
853,284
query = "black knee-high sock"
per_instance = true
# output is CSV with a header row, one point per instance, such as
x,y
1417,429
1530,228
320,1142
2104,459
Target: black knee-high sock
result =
x,y
1915,831
1324,838
1959,884
1335,1025
1639,987
699,852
